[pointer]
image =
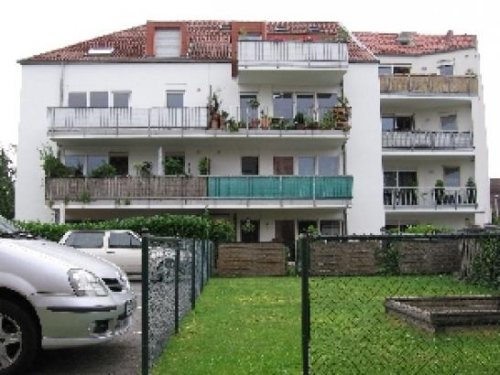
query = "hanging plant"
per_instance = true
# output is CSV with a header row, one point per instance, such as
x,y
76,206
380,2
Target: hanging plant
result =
x,y
248,226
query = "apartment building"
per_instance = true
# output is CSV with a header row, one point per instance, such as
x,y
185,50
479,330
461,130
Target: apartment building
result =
x,y
275,126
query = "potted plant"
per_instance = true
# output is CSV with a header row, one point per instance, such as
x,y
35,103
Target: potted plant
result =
x,y
439,191
299,121
328,120
204,166
232,125
471,191
248,226
253,103
213,110
103,171
264,120
143,169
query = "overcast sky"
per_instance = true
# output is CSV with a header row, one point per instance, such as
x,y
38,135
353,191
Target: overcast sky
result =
x,y
29,27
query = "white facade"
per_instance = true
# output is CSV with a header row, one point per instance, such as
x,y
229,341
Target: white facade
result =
x,y
146,132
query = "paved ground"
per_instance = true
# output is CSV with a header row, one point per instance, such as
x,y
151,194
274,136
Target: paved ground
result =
x,y
120,356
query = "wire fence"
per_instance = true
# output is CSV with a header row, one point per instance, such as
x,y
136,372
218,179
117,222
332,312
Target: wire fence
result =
x,y
401,304
175,271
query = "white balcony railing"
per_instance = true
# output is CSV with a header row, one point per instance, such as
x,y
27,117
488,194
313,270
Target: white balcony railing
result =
x,y
429,197
157,117
292,54
427,140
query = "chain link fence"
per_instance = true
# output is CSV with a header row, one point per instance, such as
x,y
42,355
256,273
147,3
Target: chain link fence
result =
x,y
175,270
401,304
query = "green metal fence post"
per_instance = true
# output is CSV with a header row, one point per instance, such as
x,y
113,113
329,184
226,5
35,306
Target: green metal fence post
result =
x,y
306,317
176,286
193,274
145,303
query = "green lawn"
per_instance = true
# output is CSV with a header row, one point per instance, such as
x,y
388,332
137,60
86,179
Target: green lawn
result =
x,y
252,326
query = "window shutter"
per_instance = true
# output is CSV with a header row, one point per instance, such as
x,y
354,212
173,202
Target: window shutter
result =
x,y
167,43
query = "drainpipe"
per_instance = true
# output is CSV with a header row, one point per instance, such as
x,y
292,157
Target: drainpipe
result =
x,y
61,85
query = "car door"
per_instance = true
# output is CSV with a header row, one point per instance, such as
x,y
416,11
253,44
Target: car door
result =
x,y
124,248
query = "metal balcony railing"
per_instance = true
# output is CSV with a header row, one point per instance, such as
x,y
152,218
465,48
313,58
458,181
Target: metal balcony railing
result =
x,y
292,54
422,140
429,197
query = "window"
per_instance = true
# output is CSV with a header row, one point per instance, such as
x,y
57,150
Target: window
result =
x,y
175,99
451,176
306,166
76,162
248,111
305,104
303,225
85,240
167,43
94,161
446,70
249,165
174,164
120,163
283,165
384,70
99,99
397,123
255,36
449,123
325,103
401,70
283,106
121,99
329,227
123,240
400,179
328,166
77,99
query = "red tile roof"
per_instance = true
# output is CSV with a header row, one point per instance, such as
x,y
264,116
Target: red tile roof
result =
x,y
419,44
206,40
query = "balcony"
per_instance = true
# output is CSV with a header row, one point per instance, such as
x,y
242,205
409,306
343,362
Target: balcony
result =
x,y
427,140
71,123
415,84
415,198
206,189
257,58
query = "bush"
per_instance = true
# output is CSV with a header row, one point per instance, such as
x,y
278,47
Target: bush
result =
x,y
190,226
486,263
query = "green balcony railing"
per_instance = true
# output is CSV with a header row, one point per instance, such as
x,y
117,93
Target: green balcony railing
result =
x,y
280,187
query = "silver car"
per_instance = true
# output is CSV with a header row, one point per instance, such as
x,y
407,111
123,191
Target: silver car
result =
x,y
55,297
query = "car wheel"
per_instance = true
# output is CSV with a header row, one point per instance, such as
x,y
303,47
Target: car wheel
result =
x,y
19,342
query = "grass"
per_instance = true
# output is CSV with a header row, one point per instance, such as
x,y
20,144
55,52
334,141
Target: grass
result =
x,y
252,326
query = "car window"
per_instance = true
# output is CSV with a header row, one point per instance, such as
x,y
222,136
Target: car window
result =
x,y
89,240
123,240
6,226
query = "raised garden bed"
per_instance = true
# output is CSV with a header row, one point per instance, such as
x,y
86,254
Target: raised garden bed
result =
x,y
437,314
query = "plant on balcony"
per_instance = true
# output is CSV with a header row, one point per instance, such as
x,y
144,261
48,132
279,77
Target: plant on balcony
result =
x,y
471,191
204,166
264,120
248,226
328,121
103,171
143,169
232,125
342,113
299,121
173,165
342,35
439,191
213,109
51,164
253,103
312,231
85,197
311,123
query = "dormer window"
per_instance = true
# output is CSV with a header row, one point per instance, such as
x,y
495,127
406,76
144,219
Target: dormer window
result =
x,y
167,43
100,51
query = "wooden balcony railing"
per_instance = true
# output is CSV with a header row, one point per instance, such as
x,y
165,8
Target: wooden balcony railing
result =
x,y
428,84
210,187
427,140
429,197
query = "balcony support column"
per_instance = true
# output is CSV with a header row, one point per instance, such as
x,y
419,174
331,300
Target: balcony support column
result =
x,y
160,171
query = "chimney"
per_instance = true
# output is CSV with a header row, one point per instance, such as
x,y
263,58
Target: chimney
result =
x,y
405,37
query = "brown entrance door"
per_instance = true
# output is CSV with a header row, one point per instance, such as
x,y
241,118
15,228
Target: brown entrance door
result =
x,y
285,233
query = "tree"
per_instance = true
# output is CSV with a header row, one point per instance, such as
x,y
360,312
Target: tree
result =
x,y
7,173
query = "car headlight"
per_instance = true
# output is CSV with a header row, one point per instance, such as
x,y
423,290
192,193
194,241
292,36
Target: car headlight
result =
x,y
85,283
124,280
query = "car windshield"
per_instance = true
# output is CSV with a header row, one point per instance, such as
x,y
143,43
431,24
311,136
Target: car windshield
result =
x,y
7,227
